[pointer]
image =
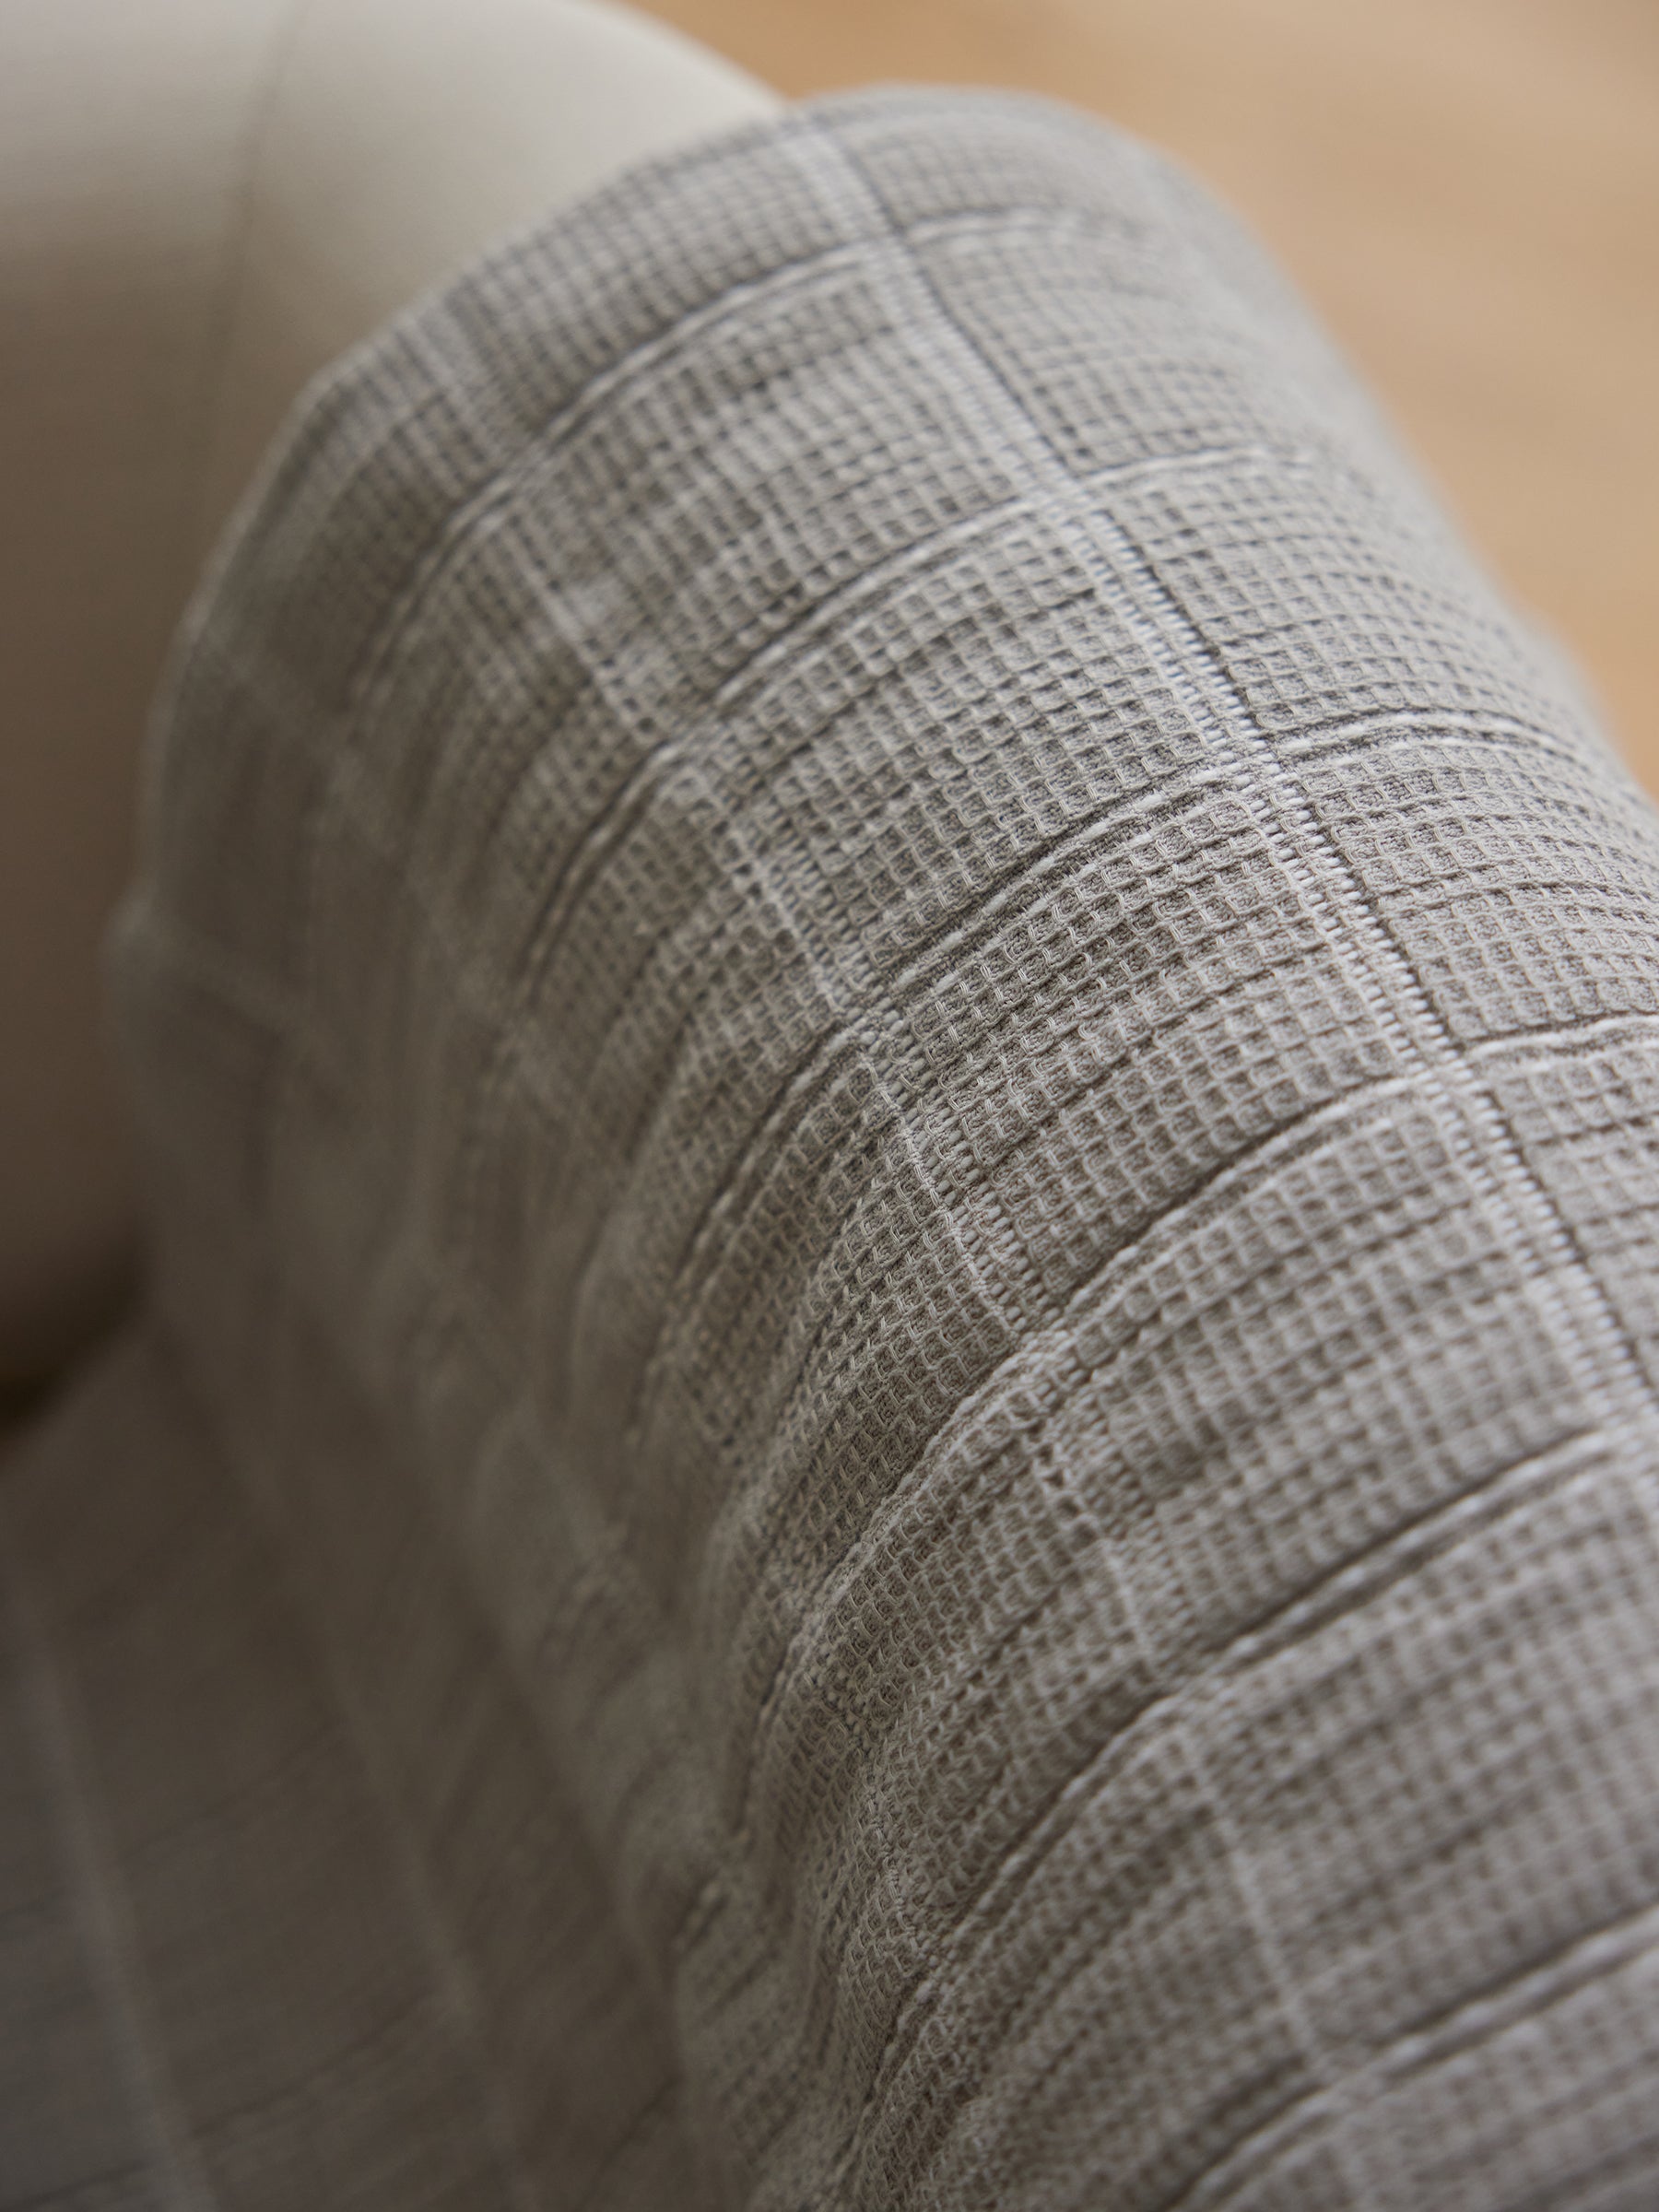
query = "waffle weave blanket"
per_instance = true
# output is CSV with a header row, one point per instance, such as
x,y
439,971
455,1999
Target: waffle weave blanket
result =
x,y
895,1444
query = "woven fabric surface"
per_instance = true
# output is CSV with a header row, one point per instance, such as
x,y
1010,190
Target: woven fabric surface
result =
x,y
896,1443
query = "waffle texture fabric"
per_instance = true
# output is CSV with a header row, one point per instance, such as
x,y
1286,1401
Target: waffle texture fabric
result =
x,y
896,1444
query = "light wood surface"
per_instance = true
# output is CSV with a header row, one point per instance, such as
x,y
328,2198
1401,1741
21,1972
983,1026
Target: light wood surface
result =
x,y
1468,189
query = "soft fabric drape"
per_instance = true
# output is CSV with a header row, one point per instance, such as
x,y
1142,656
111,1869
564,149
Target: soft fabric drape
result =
x,y
896,1440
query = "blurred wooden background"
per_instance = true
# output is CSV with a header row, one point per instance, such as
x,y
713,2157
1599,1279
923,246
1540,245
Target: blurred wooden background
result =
x,y
1468,189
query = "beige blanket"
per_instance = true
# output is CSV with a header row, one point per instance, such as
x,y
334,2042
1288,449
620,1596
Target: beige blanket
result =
x,y
896,1442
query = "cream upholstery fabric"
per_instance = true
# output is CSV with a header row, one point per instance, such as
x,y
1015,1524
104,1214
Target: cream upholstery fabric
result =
x,y
203,203
897,1442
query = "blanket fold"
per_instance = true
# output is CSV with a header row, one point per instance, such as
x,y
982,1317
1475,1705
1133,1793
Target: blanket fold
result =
x,y
896,1440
